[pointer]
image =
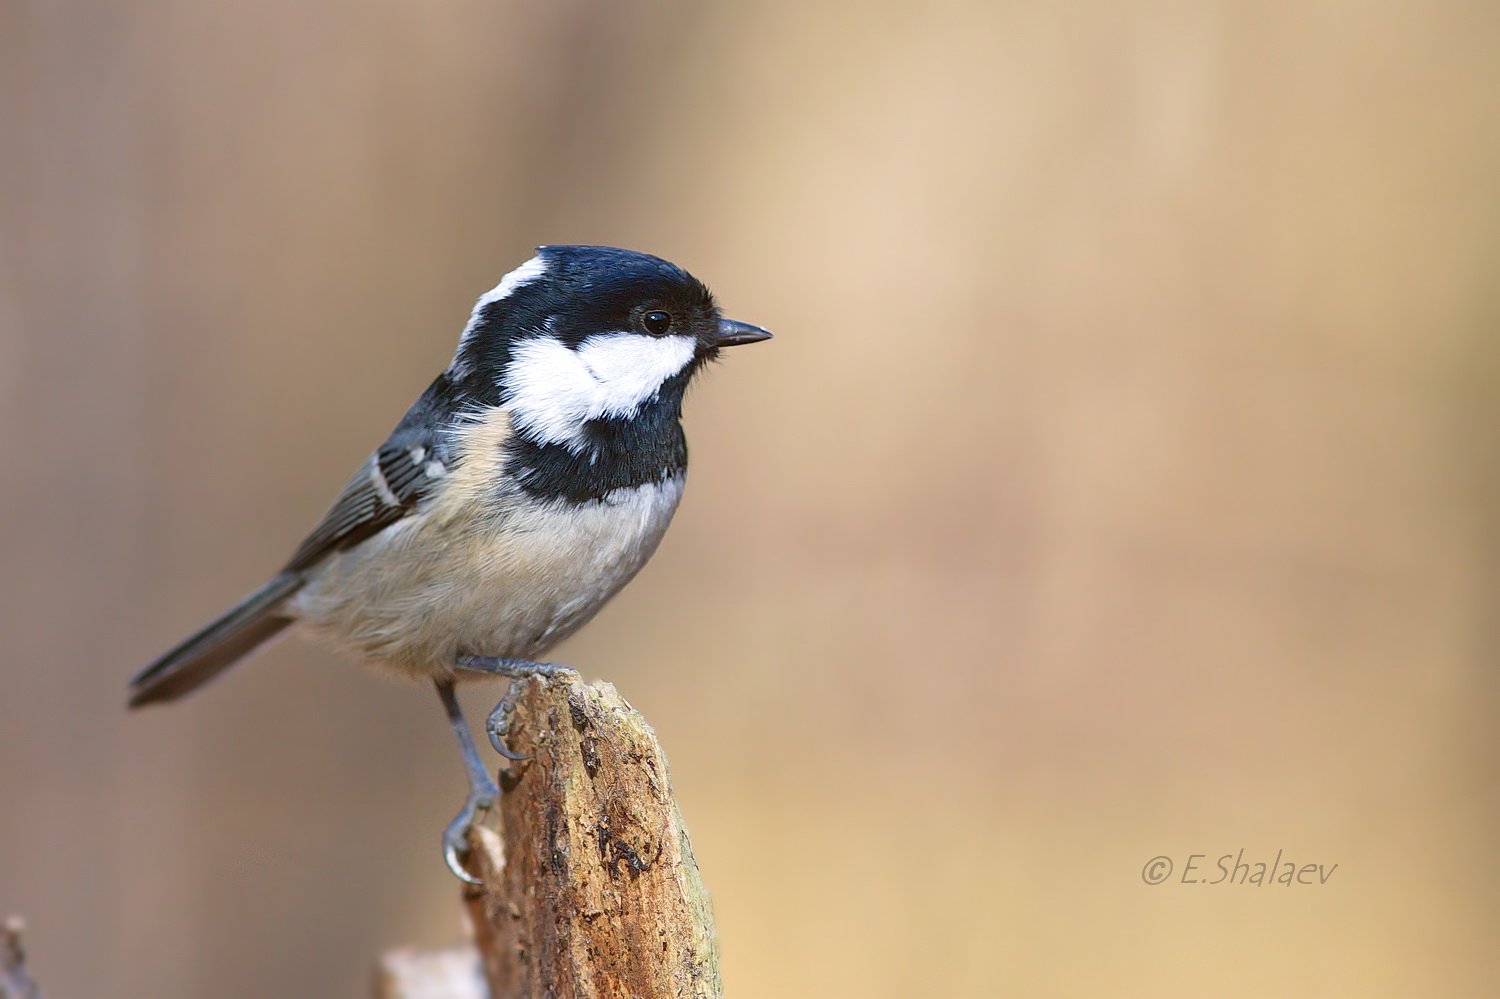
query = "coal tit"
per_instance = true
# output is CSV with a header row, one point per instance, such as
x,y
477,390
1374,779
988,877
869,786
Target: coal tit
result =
x,y
525,487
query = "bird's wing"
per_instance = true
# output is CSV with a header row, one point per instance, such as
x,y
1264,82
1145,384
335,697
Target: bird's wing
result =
x,y
391,484
387,488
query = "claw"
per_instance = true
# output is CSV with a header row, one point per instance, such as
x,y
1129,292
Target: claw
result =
x,y
456,837
482,790
498,741
456,865
497,726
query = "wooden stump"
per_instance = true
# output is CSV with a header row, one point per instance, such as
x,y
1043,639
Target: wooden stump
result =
x,y
590,889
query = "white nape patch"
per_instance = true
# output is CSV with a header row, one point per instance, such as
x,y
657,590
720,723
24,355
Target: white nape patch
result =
x,y
552,391
377,479
523,275
435,470
418,453
518,278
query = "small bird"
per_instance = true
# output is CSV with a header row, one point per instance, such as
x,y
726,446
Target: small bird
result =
x,y
528,484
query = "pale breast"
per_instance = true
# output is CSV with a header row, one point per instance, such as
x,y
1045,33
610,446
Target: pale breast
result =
x,y
511,583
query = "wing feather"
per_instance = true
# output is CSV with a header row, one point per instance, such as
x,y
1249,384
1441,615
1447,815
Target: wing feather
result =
x,y
387,488
394,481
403,472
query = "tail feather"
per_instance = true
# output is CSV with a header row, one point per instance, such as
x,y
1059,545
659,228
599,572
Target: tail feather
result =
x,y
217,646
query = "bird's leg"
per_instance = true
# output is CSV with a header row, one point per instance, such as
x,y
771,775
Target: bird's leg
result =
x,y
498,723
482,790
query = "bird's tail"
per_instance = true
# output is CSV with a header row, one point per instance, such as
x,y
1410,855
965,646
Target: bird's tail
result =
x,y
219,645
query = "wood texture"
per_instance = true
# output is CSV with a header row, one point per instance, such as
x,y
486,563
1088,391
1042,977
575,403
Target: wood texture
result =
x,y
597,893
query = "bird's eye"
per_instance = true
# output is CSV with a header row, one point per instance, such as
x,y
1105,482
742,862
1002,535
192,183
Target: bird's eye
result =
x,y
656,323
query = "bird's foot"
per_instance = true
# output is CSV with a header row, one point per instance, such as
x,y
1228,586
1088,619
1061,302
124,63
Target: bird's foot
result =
x,y
482,797
497,725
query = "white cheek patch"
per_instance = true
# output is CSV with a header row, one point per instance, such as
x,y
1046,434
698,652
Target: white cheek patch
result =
x,y
518,278
552,391
630,368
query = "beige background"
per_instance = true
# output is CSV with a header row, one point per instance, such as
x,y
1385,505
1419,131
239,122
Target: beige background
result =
x,y
1121,482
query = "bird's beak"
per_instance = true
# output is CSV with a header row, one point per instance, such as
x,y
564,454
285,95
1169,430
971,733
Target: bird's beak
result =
x,y
732,334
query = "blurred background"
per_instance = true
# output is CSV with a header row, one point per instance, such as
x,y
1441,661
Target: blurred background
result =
x,y
1122,481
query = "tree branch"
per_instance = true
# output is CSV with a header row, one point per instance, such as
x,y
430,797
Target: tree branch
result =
x,y
597,893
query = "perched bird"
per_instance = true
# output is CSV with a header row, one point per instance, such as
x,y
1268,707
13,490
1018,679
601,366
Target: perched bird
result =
x,y
525,487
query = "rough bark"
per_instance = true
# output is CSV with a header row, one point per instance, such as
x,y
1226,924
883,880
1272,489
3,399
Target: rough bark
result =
x,y
597,893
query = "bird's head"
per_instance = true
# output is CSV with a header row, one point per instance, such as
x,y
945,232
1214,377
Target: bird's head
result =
x,y
579,334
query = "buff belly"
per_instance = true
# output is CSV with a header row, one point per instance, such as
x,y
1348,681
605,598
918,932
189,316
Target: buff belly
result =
x,y
514,583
